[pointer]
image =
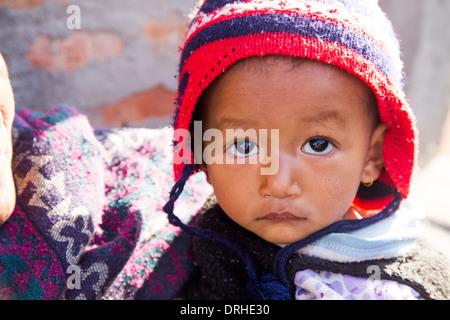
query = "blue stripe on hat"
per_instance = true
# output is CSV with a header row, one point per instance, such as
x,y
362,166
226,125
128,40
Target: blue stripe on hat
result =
x,y
210,6
291,24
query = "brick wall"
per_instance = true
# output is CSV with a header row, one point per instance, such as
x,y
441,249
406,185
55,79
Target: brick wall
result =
x,y
116,61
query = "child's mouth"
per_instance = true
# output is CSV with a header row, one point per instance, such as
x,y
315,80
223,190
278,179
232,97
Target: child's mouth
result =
x,y
281,216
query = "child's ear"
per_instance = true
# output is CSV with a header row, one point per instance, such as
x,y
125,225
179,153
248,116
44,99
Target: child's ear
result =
x,y
375,162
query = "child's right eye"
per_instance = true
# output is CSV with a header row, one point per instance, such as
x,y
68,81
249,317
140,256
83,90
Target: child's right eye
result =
x,y
243,148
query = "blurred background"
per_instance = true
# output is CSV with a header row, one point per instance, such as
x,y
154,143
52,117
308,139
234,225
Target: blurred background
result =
x,y
116,62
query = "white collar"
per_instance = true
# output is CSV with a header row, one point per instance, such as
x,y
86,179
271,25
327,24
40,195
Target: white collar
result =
x,y
388,238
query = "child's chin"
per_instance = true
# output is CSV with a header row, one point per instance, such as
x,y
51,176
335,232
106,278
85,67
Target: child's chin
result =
x,y
282,239
286,232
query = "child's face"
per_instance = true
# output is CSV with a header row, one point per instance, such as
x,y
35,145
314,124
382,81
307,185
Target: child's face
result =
x,y
326,146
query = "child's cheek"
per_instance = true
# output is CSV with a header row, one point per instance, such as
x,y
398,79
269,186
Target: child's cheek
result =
x,y
337,190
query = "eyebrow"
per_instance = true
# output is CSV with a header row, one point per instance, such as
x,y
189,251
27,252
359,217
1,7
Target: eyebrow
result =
x,y
327,117
232,123
332,118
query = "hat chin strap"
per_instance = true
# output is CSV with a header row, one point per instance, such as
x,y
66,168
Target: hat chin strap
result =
x,y
175,192
266,288
168,208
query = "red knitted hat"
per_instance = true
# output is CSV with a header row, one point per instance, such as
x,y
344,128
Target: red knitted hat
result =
x,y
353,35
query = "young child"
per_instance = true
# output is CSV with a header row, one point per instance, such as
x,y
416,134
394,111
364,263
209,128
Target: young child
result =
x,y
320,84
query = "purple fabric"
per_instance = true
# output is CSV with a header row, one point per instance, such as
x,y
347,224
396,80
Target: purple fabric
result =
x,y
89,205
312,285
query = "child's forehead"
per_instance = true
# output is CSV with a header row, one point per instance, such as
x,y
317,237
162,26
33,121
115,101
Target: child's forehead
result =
x,y
301,67
264,64
309,91
289,70
256,73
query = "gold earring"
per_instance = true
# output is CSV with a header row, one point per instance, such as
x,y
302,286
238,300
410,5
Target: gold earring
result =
x,y
368,184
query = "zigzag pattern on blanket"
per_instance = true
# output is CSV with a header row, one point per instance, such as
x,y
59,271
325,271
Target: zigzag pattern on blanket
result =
x,y
92,200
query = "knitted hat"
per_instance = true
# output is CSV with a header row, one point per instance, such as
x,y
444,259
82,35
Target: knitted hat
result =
x,y
354,35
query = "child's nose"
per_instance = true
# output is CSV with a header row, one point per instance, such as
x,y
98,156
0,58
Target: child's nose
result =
x,y
285,182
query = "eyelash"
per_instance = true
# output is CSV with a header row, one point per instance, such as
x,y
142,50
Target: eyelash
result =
x,y
329,144
237,143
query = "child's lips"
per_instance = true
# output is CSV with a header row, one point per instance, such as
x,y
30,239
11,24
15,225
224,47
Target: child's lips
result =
x,y
284,215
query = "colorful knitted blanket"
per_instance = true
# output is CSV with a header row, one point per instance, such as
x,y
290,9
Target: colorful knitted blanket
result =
x,y
88,221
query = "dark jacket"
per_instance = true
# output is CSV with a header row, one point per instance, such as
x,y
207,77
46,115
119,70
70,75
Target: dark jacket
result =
x,y
221,274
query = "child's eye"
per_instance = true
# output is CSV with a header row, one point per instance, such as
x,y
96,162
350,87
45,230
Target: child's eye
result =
x,y
318,147
243,148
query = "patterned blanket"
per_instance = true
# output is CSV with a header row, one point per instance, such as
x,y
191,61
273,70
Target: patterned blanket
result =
x,y
88,222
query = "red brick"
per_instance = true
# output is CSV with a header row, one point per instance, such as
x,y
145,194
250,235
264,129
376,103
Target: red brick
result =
x,y
26,4
168,33
21,4
77,50
157,102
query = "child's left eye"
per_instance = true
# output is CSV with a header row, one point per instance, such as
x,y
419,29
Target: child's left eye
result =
x,y
318,147
243,148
